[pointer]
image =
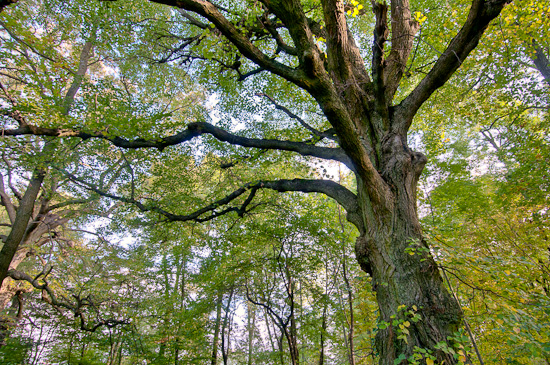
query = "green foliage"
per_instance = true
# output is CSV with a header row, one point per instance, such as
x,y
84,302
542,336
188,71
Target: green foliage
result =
x,y
483,198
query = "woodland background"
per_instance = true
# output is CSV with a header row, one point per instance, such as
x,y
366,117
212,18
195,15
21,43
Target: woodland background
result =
x,y
99,281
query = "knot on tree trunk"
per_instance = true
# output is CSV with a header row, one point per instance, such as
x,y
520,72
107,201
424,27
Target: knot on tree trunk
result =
x,y
362,254
401,166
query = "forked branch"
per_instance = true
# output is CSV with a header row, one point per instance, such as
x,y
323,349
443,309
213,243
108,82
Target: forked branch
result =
x,y
222,206
481,14
209,11
49,296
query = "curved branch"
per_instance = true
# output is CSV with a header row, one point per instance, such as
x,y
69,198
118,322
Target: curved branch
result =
x,y
109,323
339,193
54,301
480,15
6,201
19,275
243,44
193,130
272,29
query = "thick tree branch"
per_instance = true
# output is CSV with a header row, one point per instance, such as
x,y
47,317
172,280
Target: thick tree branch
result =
x,y
291,13
51,208
6,201
243,44
192,19
193,130
343,196
52,299
380,11
85,55
281,45
346,66
109,323
541,62
480,15
402,36
19,275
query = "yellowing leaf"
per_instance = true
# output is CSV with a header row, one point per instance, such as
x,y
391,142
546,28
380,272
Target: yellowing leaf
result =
x,y
429,362
419,17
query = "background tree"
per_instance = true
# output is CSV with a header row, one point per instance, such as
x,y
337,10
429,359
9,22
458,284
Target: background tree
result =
x,y
366,114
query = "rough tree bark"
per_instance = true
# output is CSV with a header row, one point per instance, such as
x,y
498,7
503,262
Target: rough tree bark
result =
x,y
371,132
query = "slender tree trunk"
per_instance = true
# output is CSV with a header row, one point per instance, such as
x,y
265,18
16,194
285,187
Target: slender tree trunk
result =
x,y
251,326
120,353
267,316
323,331
225,346
217,329
351,317
177,352
350,346
82,353
293,340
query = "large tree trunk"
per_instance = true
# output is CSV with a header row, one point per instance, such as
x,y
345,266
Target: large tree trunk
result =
x,y
404,274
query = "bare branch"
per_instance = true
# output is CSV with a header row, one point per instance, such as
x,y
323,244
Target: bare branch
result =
x,y
85,55
244,76
9,169
19,275
272,29
66,203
